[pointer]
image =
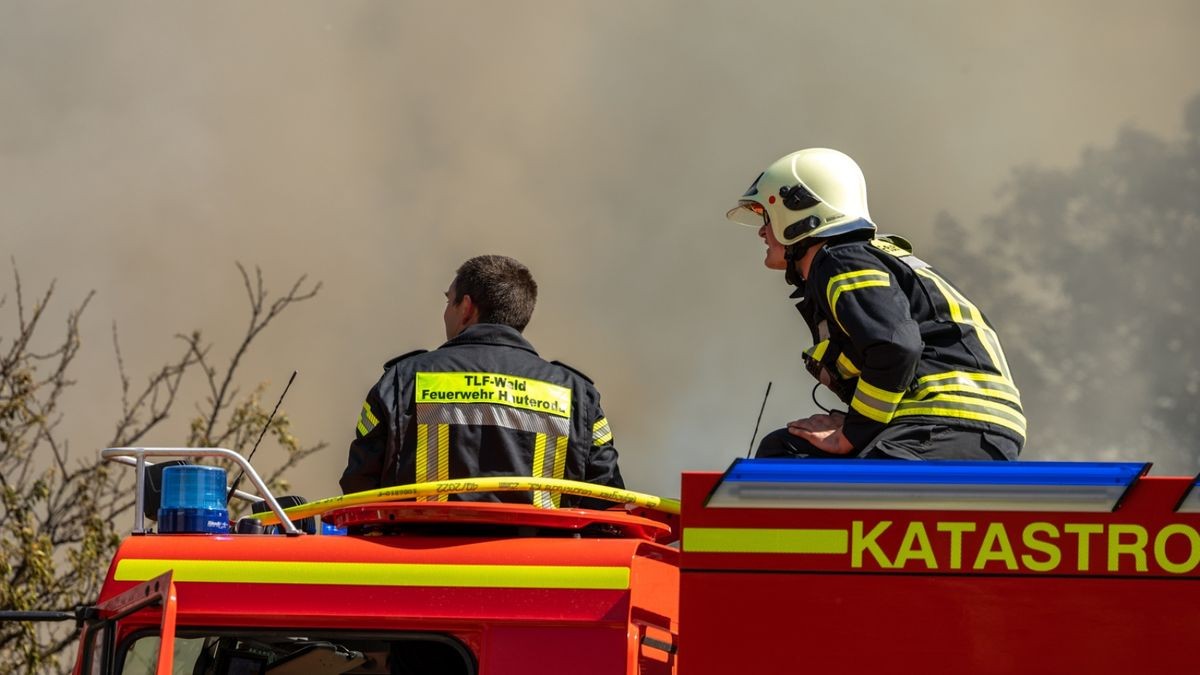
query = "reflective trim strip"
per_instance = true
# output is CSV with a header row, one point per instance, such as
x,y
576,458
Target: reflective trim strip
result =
x,y
875,403
972,317
845,282
548,465
846,367
443,456
421,465
495,388
982,384
764,540
377,574
560,465
966,407
541,499
366,420
601,433
485,414
432,462
818,350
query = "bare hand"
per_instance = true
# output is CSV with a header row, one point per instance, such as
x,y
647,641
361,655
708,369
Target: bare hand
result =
x,y
824,432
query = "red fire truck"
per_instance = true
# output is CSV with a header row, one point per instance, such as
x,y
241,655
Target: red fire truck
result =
x,y
774,566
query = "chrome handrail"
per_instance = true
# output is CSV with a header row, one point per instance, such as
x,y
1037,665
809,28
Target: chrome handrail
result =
x,y
139,455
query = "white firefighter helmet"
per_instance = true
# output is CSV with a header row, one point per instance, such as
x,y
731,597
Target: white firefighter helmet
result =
x,y
810,194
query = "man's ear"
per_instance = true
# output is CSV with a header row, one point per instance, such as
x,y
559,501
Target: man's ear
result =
x,y
470,311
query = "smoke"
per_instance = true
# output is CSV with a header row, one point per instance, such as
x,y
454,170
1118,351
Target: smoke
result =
x,y
146,147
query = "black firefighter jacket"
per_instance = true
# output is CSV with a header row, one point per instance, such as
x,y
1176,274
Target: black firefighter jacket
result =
x,y
899,344
483,404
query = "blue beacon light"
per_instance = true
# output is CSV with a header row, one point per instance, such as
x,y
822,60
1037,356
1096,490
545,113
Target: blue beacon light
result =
x,y
193,500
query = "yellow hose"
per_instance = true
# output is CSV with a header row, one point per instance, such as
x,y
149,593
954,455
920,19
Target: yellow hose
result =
x,y
493,484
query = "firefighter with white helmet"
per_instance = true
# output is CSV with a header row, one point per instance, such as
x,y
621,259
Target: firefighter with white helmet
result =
x,y
918,366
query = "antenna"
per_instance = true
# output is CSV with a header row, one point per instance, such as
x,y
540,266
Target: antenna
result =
x,y
759,421
237,480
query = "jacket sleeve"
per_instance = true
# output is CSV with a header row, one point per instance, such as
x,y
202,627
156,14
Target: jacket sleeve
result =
x,y
372,438
863,301
601,467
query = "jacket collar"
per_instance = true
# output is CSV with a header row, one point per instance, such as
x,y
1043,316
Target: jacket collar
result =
x,y
491,334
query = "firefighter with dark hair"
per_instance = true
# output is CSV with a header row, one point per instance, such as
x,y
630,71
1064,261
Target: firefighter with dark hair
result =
x,y
917,364
484,403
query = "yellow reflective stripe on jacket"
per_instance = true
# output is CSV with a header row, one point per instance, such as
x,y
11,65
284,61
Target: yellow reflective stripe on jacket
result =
x,y
366,420
550,464
432,463
494,388
875,403
541,499
560,466
964,312
376,574
817,351
967,408
982,384
601,433
851,281
846,367
421,465
443,456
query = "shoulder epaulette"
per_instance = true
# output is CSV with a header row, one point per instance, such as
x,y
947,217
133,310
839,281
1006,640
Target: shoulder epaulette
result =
x,y
573,370
400,358
893,244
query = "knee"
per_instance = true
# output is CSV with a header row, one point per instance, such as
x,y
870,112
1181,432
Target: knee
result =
x,y
780,443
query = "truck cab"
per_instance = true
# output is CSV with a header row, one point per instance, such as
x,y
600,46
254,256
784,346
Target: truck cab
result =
x,y
440,587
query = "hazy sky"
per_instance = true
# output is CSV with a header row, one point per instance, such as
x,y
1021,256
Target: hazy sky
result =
x,y
145,147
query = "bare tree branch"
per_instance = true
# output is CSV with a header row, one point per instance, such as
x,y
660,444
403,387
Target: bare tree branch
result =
x,y
60,513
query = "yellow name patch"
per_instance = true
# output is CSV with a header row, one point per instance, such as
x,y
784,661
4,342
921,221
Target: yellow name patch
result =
x,y
494,388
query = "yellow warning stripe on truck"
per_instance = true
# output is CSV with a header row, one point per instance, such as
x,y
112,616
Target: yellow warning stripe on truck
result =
x,y
376,574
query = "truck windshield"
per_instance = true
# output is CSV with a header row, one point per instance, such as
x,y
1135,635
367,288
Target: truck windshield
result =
x,y
309,652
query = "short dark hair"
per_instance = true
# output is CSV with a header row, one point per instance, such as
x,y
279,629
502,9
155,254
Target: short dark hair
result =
x,y
502,288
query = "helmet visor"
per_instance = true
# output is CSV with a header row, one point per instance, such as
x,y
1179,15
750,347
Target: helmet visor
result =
x,y
748,213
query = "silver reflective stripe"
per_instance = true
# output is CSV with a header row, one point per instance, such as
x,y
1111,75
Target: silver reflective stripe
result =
x,y
487,414
874,408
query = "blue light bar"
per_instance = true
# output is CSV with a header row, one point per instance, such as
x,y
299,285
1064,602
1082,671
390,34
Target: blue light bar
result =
x,y
932,485
193,500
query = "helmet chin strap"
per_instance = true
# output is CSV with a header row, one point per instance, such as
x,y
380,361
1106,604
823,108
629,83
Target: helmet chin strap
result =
x,y
793,254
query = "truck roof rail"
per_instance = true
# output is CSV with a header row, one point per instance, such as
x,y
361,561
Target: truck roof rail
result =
x,y
137,456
